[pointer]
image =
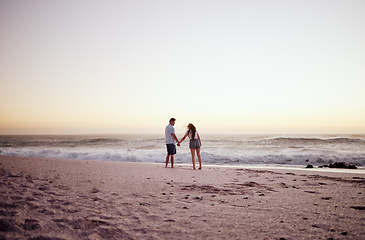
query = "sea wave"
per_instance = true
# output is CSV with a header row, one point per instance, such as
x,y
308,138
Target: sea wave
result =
x,y
56,141
218,158
216,149
314,140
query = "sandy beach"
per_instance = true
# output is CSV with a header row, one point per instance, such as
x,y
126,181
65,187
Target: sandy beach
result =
x,y
77,199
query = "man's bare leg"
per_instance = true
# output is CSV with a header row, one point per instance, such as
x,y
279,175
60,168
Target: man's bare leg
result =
x,y
167,160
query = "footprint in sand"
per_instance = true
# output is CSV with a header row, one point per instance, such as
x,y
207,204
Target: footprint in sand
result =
x,y
31,224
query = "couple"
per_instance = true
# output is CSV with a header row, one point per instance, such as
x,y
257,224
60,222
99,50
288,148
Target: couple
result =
x,y
194,144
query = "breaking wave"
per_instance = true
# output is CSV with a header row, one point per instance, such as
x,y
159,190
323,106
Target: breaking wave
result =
x,y
216,149
184,157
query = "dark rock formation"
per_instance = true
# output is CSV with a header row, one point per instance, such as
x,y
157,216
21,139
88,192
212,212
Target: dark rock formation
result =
x,y
342,165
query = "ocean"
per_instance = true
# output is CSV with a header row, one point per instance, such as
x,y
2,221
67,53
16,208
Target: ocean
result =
x,y
217,149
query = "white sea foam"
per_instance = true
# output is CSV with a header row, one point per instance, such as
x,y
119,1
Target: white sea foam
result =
x,y
216,149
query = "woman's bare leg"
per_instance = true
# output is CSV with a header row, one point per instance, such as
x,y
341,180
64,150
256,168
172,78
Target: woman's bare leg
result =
x,y
193,157
199,157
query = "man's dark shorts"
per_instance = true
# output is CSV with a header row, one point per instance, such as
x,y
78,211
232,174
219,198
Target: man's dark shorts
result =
x,y
171,149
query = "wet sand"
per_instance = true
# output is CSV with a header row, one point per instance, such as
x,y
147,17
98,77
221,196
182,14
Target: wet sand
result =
x,y
77,199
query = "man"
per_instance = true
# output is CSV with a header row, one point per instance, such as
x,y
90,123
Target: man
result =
x,y
170,142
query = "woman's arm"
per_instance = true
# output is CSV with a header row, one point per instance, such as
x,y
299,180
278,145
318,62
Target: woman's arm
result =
x,y
181,140
199,139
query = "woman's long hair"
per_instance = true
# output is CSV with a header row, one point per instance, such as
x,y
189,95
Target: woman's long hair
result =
x,y
192,130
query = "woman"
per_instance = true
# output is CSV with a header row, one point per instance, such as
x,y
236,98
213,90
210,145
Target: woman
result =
x,y
194,144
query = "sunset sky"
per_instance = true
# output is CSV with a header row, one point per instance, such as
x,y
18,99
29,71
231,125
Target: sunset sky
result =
x,y
230,66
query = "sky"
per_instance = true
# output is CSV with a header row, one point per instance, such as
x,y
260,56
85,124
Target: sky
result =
x,y
232,66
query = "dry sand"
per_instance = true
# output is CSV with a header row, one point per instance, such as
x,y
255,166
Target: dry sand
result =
x,y
71,199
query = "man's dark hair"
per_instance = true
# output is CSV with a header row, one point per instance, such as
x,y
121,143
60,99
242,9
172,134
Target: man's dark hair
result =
x,y
172,119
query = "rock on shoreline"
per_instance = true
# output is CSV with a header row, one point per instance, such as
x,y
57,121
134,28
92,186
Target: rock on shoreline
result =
x,y
336,165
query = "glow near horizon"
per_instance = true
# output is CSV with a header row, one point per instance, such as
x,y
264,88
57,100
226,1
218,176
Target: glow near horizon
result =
x,y
226,66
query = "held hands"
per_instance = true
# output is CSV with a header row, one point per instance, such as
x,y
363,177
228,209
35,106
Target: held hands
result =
x,y
178,144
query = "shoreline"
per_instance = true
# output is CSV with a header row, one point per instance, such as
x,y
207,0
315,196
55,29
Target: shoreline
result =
x,y
359,170
79,199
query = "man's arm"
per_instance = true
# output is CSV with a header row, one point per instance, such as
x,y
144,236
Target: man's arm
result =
x,y
174,136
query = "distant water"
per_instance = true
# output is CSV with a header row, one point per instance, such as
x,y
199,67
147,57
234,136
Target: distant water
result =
x,y
273,150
